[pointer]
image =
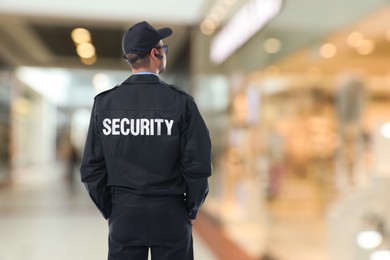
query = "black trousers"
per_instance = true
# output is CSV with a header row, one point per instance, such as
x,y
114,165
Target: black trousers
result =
x,y
160,223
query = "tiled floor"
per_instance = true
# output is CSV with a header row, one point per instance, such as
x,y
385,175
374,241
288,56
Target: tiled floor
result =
x,y
43,218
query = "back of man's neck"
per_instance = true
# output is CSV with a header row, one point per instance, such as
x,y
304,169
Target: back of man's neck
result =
x,y
145,71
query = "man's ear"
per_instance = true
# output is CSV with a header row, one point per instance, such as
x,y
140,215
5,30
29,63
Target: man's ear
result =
x,y
155,55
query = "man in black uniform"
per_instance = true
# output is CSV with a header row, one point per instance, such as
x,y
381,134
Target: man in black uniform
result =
x,y
147,156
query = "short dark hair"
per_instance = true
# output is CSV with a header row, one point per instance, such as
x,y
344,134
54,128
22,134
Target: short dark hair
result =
x,y
139,63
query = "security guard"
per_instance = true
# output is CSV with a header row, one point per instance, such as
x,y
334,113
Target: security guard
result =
x,y
147,156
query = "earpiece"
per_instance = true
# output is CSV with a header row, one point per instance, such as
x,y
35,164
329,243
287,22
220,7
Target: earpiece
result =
x,y
158,56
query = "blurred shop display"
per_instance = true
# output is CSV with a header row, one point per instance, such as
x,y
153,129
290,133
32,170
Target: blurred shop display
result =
x,y
292,152
302,119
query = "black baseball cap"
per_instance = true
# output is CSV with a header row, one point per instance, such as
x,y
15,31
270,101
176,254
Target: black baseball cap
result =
x,y
141,38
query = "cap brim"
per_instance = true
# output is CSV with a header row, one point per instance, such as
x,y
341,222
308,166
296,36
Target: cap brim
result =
x,y
165,32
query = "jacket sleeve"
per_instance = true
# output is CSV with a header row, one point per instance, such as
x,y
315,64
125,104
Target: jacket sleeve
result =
x,y
195,158
93,169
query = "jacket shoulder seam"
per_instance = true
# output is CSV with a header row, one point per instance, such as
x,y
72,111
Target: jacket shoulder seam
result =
x,y
106,91
176,88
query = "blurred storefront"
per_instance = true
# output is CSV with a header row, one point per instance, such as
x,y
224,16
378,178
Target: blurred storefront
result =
x,y
300,141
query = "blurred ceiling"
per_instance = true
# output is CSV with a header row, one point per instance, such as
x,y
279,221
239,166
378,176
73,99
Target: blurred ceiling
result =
x,y
37,32
362,47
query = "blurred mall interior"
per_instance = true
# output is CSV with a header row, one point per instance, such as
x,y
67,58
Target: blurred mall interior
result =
x,y
296,95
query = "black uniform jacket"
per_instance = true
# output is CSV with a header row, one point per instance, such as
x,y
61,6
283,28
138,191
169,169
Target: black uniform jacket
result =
x,y
149,138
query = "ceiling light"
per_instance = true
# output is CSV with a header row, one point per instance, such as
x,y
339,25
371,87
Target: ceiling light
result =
x,y
355,39
81,35
85,50
247,21
211,22
366,47
328,50
219,11
215,18
208,27
272,45
89,61
369,239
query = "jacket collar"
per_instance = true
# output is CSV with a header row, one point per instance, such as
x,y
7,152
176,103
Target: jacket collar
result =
x,y
143,79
